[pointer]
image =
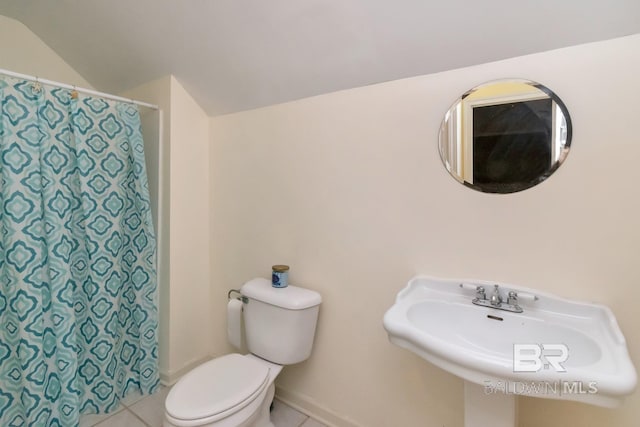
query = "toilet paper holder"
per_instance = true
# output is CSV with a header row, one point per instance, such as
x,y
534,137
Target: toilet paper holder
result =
x,y
241,297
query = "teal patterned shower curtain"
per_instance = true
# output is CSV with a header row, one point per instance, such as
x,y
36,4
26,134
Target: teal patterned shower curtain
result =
x,y
78,294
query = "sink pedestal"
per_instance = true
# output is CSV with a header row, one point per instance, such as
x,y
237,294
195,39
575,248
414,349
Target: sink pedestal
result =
x,y
483,408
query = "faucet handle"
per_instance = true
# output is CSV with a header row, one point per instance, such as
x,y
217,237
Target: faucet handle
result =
x,y
513,298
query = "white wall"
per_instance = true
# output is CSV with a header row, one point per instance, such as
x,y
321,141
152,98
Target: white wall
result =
x,y
23,52
191,323
348,188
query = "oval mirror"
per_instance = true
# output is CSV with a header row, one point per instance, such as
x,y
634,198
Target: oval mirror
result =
x,y
505,136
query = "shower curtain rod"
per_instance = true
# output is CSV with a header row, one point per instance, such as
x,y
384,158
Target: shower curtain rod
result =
x,y
77,89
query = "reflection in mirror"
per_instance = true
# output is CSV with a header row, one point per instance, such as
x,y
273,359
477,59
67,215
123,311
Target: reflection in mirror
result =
x,y
505,136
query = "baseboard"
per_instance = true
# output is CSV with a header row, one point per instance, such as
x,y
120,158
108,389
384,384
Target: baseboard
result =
x,y
171,377
307,406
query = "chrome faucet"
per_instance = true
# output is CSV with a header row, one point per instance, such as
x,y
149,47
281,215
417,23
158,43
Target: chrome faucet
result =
x,y
496,299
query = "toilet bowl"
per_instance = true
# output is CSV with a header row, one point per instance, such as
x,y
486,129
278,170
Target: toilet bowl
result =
x,y
237,390
229,391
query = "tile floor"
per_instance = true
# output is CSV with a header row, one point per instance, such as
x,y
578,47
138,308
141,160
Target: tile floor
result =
x,y
148,411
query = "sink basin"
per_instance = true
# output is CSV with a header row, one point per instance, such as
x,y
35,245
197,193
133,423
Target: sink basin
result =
x,y
555,348
497,348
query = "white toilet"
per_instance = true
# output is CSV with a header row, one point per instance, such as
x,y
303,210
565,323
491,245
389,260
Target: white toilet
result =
x,y
237,390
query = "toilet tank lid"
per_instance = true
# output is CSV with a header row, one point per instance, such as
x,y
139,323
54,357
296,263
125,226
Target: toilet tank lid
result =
x,y
291,297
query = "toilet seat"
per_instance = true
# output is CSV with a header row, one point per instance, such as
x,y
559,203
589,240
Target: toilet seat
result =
x,y
217,389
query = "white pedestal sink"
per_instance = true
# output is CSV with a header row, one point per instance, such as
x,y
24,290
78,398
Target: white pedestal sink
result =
x,y
505,342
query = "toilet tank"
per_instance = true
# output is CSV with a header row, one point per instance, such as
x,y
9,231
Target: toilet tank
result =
x,y
280,323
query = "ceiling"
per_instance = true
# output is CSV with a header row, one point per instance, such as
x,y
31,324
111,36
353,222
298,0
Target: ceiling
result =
x,y
234,55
